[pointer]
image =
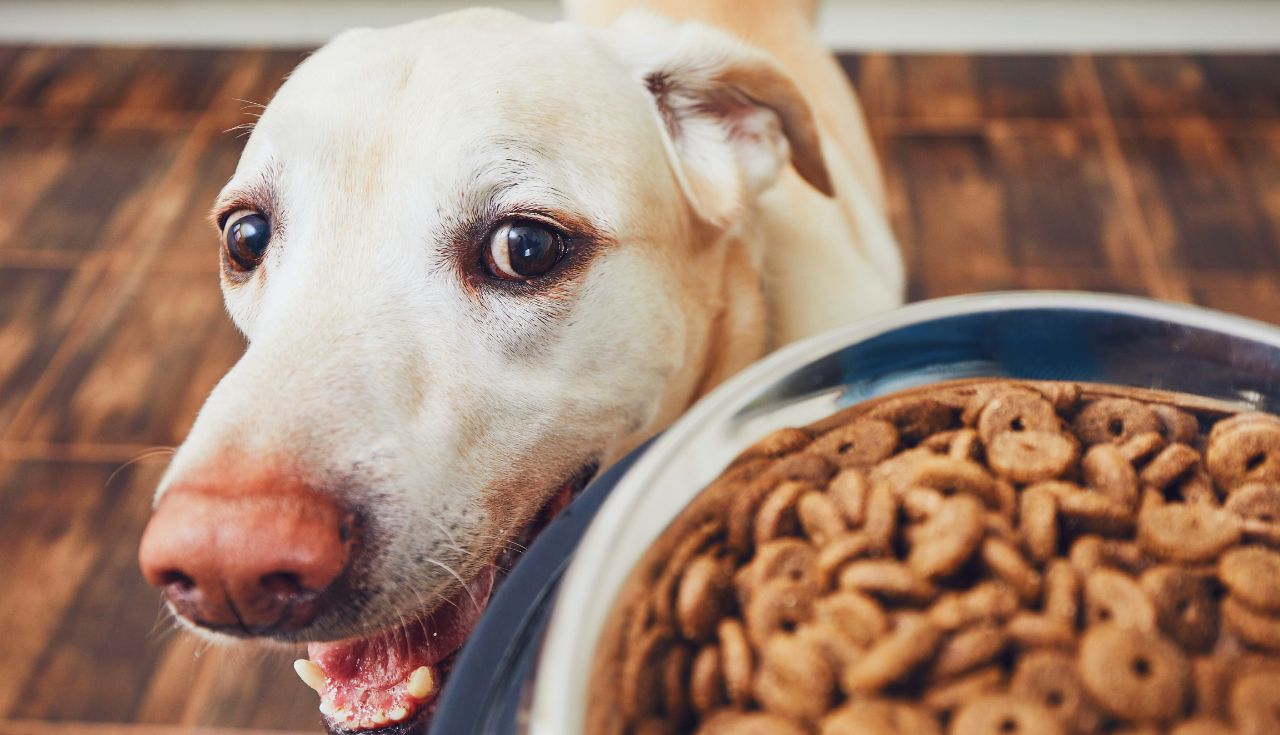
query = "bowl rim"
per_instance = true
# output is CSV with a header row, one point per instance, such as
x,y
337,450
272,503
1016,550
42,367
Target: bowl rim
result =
x,y
558,699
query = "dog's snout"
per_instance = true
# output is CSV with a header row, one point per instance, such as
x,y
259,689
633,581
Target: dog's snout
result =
x,y
246,557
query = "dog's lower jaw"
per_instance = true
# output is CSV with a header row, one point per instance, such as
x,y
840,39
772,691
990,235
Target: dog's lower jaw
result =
x,y
388,683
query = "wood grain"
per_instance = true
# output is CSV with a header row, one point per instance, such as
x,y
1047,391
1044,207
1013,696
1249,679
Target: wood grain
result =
x,y
1156,175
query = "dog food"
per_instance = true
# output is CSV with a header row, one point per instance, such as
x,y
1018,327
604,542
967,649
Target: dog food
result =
x,y
975,558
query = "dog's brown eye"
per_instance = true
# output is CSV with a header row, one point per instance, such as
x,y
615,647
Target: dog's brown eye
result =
x,y
522,249
246,236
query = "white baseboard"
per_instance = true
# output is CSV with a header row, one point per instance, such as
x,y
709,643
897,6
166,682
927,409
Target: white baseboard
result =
x,y
894,25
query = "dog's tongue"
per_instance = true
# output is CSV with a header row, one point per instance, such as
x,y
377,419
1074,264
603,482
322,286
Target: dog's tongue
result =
x,y
368,683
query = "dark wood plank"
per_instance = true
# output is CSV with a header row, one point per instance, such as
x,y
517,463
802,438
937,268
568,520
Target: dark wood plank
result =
x,y
37,309
1221,86
139,375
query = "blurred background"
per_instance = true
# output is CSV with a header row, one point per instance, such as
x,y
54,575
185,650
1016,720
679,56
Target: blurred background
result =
x,y
1129,146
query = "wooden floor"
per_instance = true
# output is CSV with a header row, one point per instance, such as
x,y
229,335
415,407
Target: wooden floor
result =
x,y
1148,175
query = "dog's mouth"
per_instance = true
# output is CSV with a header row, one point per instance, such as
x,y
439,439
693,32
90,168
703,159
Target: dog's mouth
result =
x,y
387,683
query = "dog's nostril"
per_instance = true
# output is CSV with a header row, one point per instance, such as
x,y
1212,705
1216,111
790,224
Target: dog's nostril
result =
x,y
282,583
177,581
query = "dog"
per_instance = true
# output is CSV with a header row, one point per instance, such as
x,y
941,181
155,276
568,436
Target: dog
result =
x,y
476,258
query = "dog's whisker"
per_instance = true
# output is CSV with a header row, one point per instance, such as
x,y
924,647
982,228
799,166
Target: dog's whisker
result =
x,y
145,454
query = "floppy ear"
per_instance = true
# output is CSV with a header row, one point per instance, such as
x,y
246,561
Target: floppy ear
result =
x,y
731,118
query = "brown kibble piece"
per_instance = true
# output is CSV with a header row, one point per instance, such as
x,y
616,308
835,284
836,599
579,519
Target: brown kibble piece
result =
x,y
1133,674
675,672
855,616
736,660
777,515
848,490
1049,679
1062,591
706,680
950,694
949,538
985,602
968,649
1031,456
640,688
1038,516
1172,462
912,640
879,717
1254,704
1246,452
886,578
858,444
704,587
1003,558
795,678
1185,607
733,722
1114,597
820,519
915,418
1254,627
776,444
1176,425
1002,714
1015,411
1252,574
1139,447
1107,472
1187,533
1032,631
787,558
1114,420
778,605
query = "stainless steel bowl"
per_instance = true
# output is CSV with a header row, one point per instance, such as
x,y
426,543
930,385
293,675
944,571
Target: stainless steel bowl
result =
x,y
1045,335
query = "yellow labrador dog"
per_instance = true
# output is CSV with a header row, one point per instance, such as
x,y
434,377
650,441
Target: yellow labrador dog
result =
x,y
476,258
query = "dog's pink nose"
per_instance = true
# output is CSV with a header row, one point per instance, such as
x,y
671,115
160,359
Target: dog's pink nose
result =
x,y
247,557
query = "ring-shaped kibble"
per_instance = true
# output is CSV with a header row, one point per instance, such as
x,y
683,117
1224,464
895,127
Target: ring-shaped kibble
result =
x,y
1186,610
841,550
1107,472
1114,420
848,490
736,660
968,649
1003,714
795,679
912,641
1017,410
787,558
1049,679
1064,396
778,606
1253,703
706,680
640,684
1248,418
853,615
1114,597
1032,456
879,717
1250,452
1135,675
1251,574
1171,463
704,588
1256,501
950,476
949,538
778,514
858,444
1187,533
1255,627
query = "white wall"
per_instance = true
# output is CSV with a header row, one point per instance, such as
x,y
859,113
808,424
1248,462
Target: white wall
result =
x,y
1000,25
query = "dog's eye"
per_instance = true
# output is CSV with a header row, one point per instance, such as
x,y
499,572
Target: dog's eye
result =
x,y
246,235
522,249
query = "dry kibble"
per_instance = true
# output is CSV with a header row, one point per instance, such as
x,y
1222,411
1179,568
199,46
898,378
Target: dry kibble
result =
x,y
984,557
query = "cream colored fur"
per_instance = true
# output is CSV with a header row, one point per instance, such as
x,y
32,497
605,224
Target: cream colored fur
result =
x,y
447,410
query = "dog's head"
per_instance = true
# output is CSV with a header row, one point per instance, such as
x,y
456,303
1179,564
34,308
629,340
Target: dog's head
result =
x,y
475,257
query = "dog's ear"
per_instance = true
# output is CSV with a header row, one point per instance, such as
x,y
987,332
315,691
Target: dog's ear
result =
x,y
730,117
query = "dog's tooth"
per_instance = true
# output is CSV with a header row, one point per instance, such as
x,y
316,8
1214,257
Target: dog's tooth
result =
x,y
379,718
421,683
311,674
398,714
